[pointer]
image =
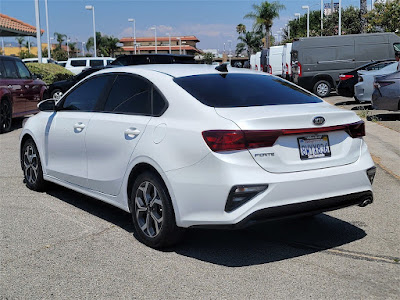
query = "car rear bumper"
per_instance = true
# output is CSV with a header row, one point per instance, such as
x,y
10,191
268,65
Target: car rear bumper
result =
x,y
200,192
302,209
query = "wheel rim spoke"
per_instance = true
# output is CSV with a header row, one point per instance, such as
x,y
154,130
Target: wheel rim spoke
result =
x,y
31,165
148,209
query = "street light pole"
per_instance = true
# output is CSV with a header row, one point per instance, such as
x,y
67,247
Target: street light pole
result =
x,y
68,40
297,16
91,7
308,18
155,37
83,48
340,17
169,38
47,28
180,45
39,43
134,33
322,16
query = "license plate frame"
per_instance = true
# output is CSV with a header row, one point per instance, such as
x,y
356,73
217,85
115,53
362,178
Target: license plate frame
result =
x,y
314,146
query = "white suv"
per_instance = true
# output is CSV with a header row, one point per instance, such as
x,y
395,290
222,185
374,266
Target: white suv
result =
x,y
78,64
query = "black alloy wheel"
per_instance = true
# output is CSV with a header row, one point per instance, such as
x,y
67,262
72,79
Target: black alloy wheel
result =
x,y
5,116
152,212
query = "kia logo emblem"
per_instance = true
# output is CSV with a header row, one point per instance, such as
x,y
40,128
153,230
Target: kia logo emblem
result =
x,y
318,120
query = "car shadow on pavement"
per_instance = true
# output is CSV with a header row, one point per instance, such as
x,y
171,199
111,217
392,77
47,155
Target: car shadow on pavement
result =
x,y
349,102
268,242
93,206
362,107
258,244
386,117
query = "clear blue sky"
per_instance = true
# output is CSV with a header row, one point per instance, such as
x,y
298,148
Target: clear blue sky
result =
x,y
213,22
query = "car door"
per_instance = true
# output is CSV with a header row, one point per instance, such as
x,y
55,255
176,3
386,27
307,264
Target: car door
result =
x,y
113,134
66,130
30,87
14,84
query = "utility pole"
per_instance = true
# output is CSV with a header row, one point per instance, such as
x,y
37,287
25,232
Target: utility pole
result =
x,y
39,43
340,17
322,16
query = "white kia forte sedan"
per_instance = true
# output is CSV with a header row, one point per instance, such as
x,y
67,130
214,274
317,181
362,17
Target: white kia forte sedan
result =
x,y
180,146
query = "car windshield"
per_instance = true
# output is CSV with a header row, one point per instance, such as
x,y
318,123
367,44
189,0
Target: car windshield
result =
x,y
242,90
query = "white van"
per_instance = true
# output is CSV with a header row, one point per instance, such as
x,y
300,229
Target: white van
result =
x,y
286,68
78,64
274,60
255,61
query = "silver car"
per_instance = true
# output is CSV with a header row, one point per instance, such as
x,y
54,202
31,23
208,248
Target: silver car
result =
x,y
387,92
365,87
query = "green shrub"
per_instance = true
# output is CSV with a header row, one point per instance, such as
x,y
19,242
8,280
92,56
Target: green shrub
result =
x,y
49,72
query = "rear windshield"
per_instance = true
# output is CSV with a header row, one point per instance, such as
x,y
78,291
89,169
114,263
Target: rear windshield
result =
x,y
240,90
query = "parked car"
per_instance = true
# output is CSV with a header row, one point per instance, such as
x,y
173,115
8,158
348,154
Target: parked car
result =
x,y
347,80
20,91
317,62
57,89
365,87
387,92
78,64
181,146
45,60
274,60
62,63
143,59
286,62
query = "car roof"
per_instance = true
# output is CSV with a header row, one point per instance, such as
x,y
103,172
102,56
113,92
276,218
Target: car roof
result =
x,y
178,70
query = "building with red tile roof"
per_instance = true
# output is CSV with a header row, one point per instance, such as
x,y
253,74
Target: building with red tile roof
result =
x,y
12,27
179,44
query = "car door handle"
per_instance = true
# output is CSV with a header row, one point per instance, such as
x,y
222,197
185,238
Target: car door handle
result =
x,y
79,126
132,132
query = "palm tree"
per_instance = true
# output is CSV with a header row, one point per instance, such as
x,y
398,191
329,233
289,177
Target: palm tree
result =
x,y
112,45
72,47
263,16
20,41
251,41
241,28
363,12
60,38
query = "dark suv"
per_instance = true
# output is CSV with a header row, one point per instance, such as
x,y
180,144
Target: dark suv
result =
x,y
20,91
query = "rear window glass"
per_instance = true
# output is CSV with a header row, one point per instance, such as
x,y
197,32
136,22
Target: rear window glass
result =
x,y
78,63
241,90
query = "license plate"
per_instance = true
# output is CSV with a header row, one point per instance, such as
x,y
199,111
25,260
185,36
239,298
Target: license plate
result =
x,y
314,146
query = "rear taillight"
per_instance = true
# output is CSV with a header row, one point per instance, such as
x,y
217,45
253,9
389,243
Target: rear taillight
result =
x,y
287,69
225,140
382,84
228,140
360,78
299,71
262,68
269,69
344,77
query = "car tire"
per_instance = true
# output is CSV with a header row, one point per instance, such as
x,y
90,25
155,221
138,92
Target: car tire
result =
x,y
5,116
57,94
32,166
322,88
152,212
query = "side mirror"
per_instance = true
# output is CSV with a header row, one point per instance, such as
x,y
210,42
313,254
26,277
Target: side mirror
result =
x,y
47,105
37,76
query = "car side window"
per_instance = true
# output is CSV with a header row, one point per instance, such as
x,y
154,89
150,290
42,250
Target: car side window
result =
x,y
23,71
96,63
159,103
2,73
78,63
10,69
86,96
130,95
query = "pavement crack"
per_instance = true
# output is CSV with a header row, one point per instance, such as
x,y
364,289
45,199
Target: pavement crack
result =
x,y
348,253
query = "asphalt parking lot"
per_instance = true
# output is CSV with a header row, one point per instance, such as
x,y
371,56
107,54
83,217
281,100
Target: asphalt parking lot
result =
x,y
62,245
